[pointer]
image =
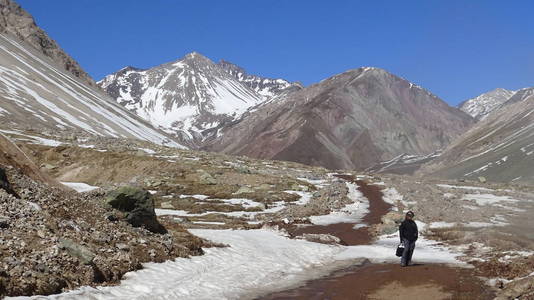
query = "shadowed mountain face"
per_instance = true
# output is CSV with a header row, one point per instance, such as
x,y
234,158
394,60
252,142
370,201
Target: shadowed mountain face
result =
x,y
499,148
352,120
192,97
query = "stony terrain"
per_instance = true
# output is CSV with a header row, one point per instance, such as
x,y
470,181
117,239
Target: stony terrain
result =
x,y
95,185
53,240
223,190
200,190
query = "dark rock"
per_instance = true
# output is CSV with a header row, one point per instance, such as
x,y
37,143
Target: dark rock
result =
x,y
5,185
4,222
138,206
112,218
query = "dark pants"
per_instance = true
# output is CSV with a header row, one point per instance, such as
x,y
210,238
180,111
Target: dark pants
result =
x,y
409,246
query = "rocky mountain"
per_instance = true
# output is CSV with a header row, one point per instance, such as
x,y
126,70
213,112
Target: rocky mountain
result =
x,y
499,147
193,96
480,106
353,120
37,93
266,87
19,23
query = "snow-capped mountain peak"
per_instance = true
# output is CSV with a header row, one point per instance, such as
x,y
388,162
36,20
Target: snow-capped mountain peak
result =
x,y
193,96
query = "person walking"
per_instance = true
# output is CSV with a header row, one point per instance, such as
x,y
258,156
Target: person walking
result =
x,y
408,235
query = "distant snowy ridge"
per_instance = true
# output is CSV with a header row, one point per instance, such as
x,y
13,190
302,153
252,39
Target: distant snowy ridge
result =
x,y
480,106
498,148
266,87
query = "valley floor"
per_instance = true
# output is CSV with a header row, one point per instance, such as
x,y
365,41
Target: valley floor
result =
x,y
261,213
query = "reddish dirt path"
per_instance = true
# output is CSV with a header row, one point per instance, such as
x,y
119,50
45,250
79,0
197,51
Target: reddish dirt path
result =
x,y
345,231
387,281
383,281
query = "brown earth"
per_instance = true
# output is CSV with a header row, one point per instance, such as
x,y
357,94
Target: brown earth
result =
x,y
388,281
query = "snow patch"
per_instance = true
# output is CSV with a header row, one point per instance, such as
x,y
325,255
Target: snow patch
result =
x,y
80,187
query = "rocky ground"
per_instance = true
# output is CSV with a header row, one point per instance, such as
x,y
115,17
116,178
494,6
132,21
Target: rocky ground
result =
x,y
51,240
488,223
55,240
211,190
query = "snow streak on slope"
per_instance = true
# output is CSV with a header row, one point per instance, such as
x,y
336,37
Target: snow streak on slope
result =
x,y
36,93
499,147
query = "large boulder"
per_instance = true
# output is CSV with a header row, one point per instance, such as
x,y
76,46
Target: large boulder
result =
x,y
138,206
85,255
206,178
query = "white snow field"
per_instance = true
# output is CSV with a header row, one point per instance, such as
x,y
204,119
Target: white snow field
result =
x,y
80,187
257,261
463,187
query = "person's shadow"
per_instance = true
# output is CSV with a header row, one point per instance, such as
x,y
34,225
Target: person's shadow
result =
x,y
417,265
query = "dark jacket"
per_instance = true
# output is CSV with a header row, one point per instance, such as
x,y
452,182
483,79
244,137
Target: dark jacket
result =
x,y
408,230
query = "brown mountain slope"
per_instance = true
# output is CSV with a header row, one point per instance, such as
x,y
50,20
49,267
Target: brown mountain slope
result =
x,y
351,120
499,148
16,21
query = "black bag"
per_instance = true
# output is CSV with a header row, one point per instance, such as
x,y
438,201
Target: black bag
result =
x,y
400,250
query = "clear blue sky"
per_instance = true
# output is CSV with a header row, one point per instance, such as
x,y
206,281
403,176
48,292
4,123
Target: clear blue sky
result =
x,y
455,49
